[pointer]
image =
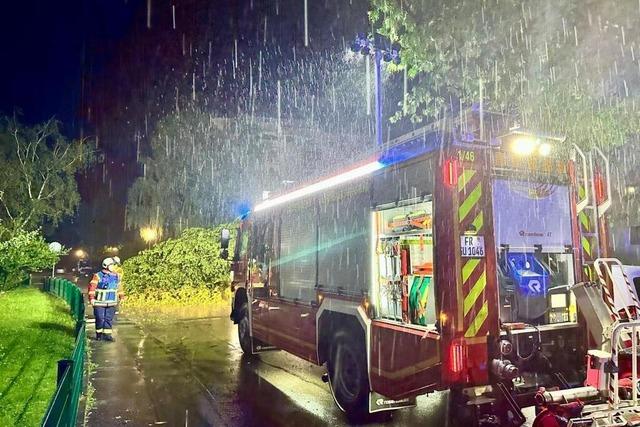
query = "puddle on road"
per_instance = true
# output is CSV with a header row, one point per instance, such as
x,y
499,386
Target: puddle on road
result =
x,y
160,315
200,360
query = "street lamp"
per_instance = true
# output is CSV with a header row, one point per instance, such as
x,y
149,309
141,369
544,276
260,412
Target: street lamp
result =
x,y
56,248
149,234
382,50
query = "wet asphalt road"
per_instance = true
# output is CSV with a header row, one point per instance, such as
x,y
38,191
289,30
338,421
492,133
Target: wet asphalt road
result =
x,y
193,373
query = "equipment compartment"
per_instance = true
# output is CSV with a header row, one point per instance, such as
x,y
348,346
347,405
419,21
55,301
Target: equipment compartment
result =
x,y
403,270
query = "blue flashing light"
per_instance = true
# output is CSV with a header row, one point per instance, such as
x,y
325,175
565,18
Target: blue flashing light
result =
x,y
242,209
410,149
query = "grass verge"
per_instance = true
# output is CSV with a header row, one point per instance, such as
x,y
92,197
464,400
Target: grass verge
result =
x,y
36,330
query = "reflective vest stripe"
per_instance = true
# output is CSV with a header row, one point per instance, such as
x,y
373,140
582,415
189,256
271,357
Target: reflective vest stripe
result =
x,y
107,295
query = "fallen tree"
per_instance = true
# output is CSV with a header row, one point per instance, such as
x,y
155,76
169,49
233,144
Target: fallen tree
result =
x,y
184,270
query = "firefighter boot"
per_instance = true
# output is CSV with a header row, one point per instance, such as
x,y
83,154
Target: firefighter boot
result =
x,y
98,336
107,337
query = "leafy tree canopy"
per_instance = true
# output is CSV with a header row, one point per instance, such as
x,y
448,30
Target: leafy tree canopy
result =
x,y
37,177
565,67
22,252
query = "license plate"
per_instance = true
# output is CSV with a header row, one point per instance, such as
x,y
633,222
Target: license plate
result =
x,y
472,246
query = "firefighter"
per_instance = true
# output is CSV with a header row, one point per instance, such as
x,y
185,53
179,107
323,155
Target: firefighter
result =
x,y
104,294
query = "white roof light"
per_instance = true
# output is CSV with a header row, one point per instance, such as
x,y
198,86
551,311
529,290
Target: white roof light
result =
x,y
327,183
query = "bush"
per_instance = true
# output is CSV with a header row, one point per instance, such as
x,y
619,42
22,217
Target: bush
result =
x,y
23,252
184,269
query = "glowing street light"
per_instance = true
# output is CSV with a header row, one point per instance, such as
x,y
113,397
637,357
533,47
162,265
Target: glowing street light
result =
x,y
149,234
80,254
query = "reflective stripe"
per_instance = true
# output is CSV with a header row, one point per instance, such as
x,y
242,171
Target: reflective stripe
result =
x,y
99,331
478,321
106,331
475,292
471,200
107,295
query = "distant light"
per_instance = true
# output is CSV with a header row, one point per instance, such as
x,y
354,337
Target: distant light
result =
x,y
544,149
149,234
321,185
524,146
630,190
80,253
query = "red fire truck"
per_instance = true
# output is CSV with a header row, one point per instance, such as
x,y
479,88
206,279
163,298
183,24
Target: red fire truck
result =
x,y
444,261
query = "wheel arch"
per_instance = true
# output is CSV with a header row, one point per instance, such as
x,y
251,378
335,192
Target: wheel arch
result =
x,y
240,298
335,314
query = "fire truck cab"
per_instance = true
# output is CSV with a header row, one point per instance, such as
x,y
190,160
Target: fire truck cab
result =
x,y
445,261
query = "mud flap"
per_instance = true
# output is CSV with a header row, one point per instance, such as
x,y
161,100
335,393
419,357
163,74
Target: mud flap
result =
x,y
378,403
259,348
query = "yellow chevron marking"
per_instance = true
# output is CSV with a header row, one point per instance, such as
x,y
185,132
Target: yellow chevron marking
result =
x,y
584,220
586,245
582,192
478,222
475,292
464,178
469,203
478,321
468,268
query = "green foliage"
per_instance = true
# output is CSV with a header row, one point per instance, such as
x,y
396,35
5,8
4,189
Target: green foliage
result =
x,y
178,269
35,332
564,67
22,253
37,177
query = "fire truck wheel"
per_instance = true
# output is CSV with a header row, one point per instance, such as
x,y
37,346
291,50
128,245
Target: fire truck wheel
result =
x,y
243,331
347,368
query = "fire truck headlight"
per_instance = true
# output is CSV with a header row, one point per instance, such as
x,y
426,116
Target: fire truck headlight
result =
x,y
524,146
544,149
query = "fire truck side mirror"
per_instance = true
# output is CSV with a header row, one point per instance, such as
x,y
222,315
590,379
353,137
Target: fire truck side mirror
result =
x,y
225,236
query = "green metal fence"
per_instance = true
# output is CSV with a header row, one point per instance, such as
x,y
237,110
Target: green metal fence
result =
x,y
63,408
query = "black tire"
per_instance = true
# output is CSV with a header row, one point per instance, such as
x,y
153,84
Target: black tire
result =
x,y
243,331
347,366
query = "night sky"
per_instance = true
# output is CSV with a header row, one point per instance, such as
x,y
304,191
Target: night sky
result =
x,y
109,69
46,50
